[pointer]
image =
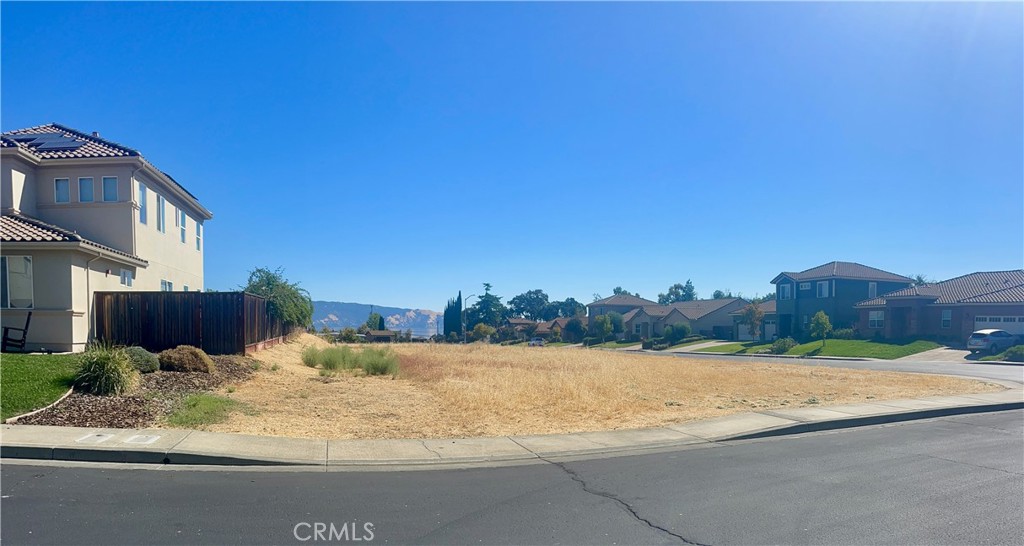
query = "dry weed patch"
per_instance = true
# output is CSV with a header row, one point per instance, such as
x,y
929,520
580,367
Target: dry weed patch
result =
x,y
484,390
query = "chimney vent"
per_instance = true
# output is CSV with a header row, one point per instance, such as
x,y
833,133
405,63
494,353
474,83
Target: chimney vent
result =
x,y
96,134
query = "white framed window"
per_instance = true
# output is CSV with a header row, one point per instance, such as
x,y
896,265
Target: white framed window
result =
x,y
872,290
805,286
947,318
806,320
16,282
166,286
181,224
199,235
784,291
86,189
143,211
127,277
822,289
110,188
876,319
61,190
161,214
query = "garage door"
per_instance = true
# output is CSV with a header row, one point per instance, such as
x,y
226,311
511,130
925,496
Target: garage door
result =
x,y
769,329
1014,325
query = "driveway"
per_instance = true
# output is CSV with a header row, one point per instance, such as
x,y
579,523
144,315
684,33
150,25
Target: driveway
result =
x,y
696,346
942,354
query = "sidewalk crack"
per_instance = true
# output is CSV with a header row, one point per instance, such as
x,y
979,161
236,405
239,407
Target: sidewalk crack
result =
x,y
426,447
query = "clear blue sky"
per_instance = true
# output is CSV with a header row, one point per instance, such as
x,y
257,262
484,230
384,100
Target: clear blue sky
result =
x,y
397,153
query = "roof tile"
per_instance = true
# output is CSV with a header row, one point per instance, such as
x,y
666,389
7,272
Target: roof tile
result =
x,y
18,228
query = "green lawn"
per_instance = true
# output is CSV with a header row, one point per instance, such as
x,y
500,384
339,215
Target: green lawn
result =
x,y
204,409
29,382
684,344
736,348
862,348
616,344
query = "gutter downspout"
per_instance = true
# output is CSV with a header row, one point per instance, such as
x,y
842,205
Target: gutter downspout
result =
x,y
88,299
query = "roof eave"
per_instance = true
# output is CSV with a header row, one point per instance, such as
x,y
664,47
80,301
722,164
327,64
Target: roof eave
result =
x,y
77,245
175,188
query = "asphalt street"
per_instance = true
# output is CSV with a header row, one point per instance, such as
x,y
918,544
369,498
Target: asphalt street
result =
x,y
954,480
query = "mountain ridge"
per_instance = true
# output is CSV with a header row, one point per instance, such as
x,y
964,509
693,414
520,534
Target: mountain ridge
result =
x,y
337,315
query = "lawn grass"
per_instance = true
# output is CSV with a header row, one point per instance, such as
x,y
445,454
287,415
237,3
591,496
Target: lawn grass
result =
x,y
616,344
686,343
863,348
203,409
33,381
736,348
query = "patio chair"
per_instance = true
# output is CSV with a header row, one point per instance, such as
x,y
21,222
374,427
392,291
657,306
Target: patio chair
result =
x,y
16,341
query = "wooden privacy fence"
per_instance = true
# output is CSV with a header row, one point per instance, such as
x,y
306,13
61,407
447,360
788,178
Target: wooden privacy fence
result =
x,y
216,322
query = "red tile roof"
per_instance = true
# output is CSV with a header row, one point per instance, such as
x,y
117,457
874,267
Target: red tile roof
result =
x,y
696,309
624,300
767,307
18,228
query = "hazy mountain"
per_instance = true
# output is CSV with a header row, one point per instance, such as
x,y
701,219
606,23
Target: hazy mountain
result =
x,y
337,315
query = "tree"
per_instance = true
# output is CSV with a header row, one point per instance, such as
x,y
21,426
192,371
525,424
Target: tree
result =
x,y
601,327
753,316
615,320
572,308
720,295
767,297
488,309
286,301
920,278
348,335
453,316
618,290
575,331
482,331
820,326
556,334
678,292
529,305
407,336
375,321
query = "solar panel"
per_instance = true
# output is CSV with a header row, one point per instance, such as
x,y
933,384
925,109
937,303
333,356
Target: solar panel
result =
x,y
49,141
52,146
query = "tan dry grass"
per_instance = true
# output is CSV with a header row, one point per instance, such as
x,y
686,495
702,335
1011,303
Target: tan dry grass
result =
x,y
483,390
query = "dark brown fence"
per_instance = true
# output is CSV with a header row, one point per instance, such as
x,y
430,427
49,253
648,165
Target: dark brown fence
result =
x,y
216,322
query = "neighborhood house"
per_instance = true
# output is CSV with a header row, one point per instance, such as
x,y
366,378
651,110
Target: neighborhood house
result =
x,y
82,214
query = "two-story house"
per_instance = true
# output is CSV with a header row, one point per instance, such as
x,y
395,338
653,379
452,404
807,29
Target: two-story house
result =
x,y
834,288
82,214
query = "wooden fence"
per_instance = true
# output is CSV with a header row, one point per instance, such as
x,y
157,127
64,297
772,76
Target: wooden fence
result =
x,y
216,322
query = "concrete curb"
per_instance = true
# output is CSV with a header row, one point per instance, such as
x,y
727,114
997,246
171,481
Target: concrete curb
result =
x,y
189,447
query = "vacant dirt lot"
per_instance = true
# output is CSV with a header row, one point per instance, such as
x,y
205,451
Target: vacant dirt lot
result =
x,y
482,390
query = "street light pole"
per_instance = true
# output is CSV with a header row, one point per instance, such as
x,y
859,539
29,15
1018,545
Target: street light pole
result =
x,y
464,337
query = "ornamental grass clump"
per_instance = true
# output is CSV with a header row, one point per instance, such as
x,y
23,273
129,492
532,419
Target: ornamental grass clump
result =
x,y
106,371
310,356
378,362
338,358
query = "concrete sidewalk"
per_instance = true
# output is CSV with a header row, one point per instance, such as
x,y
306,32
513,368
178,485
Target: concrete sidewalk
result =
x,y
186,447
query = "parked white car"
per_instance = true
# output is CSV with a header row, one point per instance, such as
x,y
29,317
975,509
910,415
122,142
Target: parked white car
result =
x,y
537,342
991,341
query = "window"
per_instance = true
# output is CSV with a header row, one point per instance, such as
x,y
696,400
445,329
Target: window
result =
x,y
16,282
784,291
980,319
166,286
636,328
127,277
805,320
85,189
872,290
876,319
181,223
143,213
947,318
110,188
995,319
161,215
805,286
1009,319
185,288
199,235
822,289
61,190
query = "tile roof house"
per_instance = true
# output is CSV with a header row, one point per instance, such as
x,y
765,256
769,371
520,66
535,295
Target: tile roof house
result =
x,y
644,319
950,309
81,214
834,288
769,324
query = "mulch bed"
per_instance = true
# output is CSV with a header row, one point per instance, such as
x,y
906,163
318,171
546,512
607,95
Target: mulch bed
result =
x,y
158,394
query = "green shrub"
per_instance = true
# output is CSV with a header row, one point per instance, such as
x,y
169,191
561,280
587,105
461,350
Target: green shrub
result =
x,y
310,356
783,345
647,344
143,360
105,371
661,346
336,358
185,358
696,337
676,333
378,362
1014,354
843,333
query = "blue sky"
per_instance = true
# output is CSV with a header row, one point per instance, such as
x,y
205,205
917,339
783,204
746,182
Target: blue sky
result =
x,y
397,153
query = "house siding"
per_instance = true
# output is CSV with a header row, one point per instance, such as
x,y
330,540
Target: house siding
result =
x,y
919,318
844,294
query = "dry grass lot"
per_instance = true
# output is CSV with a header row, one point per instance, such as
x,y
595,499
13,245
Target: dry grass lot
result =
x,y
483,390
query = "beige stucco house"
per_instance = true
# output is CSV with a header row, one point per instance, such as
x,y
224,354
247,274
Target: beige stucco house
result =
x,y
82,214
